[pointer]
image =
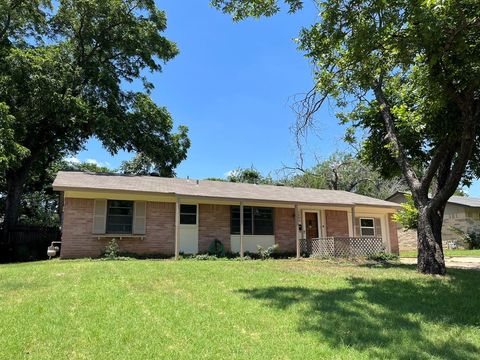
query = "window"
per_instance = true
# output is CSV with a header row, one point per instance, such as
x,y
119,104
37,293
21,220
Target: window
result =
x,y
367,227
188,214
256,220
119,217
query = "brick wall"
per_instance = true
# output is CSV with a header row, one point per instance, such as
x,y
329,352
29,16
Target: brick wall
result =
x,y
336,222
407,239
285,235
392,226
78,240
214,223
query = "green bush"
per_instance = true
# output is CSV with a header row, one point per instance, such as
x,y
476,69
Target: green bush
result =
x,y
472,240
111,250
382,256
266,253
216,248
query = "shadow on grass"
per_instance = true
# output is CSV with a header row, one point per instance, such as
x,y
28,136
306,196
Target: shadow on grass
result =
x,y
389,318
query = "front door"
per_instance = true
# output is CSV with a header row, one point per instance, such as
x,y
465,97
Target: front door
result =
x,y
311,225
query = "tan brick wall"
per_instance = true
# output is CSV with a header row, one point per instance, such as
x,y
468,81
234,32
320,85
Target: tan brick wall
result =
x,y
336,222
407,239
214,223
285,235
392,226
78,240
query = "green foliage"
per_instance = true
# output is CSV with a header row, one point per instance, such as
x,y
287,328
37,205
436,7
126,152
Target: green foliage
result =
x,y
268,252
382,257
241,9
61,73
216,248
248,175
470,239
201,257
473,240
408,216
112,250
288,310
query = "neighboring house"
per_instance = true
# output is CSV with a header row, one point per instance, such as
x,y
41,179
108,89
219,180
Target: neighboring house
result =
x,y
154,215
461,212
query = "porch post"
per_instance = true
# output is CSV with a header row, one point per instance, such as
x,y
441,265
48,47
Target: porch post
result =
x,y
353,221
241,229
297,233
177,228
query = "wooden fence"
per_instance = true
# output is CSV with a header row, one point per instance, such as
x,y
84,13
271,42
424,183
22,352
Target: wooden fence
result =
x,y
27,243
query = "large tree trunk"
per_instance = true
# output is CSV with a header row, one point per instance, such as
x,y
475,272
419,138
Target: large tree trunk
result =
x,y
15,183
430,258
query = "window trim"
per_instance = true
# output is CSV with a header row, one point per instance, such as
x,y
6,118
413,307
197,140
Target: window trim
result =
x,y
252,219
367,227
107,208
196,215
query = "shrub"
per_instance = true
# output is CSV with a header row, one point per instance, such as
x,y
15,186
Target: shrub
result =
x,y
112,250
266,253
216,248
472,240
382,256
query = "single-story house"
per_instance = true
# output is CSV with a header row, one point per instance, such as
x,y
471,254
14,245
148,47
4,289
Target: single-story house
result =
x,y
461,213
155,215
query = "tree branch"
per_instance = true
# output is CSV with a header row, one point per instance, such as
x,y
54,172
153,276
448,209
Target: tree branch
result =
x,y
399,151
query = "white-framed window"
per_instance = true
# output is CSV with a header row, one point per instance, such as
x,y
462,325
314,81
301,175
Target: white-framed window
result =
x,y
367,227
188,214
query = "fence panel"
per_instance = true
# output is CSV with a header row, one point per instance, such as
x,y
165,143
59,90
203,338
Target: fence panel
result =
x,y
27,243
341,246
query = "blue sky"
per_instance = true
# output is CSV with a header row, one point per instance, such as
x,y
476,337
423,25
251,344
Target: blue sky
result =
x,y
232,85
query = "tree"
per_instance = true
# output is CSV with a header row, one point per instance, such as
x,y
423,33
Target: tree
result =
x,y
40,204
62,66
344,171
141,164
408,73
248,175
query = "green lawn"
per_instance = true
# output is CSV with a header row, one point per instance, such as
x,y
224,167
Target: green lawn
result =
x,y
227,309
458,252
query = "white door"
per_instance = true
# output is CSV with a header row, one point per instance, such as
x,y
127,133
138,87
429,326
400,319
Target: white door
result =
x,y
189,228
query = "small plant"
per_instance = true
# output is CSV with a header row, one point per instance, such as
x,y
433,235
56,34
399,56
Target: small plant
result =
x,y
266,253
112,249
382,257
204,257
216,248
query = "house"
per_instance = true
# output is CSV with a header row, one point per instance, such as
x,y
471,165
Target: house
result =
x,y
154,215
461,213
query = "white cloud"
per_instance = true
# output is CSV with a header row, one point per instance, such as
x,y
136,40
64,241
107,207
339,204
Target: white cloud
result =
x,y
72,159
93,161
230,173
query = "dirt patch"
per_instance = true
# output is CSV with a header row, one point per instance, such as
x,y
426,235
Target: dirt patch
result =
x,y
461,262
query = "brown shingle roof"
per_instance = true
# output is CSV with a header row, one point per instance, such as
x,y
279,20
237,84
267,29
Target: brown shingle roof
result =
x,y
66,180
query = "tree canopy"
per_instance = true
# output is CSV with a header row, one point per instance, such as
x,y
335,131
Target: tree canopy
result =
x,y
63,67
408,73
344,171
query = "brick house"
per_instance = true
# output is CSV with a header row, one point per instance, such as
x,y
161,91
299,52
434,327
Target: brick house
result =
x,y
154,215
462,214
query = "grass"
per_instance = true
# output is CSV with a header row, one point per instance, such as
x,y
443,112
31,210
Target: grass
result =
x,y
457,252
244,310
